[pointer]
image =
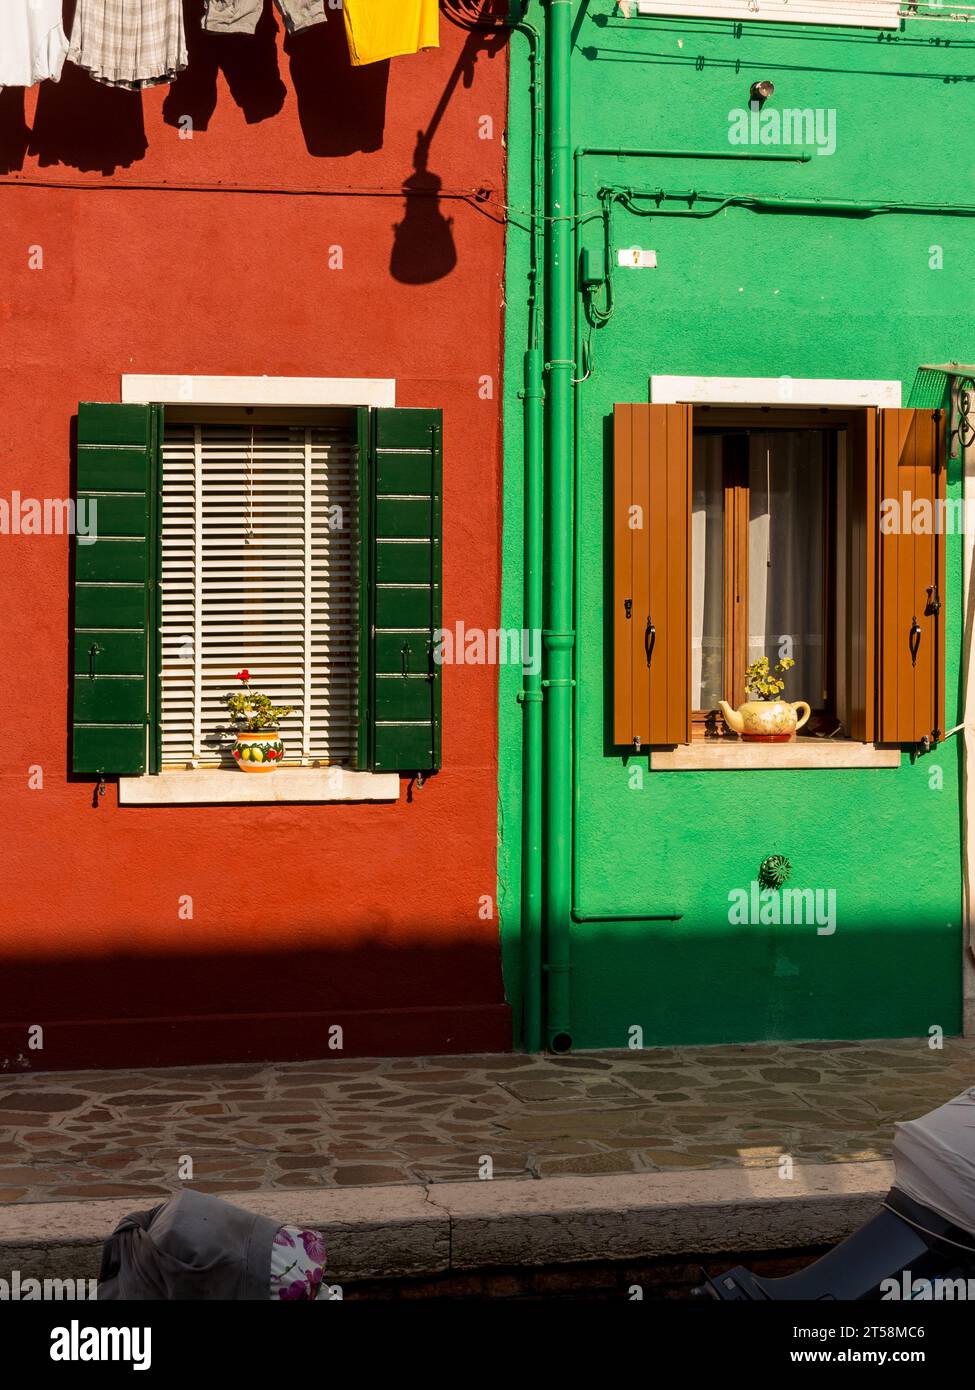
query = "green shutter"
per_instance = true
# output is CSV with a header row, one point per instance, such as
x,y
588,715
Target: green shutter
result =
x,y
400,589
113,590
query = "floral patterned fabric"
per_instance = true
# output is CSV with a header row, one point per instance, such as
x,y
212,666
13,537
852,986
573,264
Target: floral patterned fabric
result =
x,y
298,1265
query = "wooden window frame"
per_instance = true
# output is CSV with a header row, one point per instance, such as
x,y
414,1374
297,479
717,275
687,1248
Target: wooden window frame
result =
x,y
884,584
705,723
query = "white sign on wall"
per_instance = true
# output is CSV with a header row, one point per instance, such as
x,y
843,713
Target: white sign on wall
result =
x,y
636,258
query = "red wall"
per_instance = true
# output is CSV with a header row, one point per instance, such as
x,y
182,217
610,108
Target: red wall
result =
x,y
365,916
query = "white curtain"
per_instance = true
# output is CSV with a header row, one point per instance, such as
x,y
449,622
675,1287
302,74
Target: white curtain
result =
x,y
707,550
786,558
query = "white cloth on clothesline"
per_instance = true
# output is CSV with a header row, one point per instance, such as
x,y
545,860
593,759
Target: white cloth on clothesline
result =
x,y
129,43
33,45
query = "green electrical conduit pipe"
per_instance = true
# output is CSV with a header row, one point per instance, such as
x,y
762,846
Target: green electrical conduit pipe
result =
x,y
856,207
558,637
533,395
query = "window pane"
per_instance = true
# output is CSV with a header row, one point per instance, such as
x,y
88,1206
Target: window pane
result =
x,y
258,571
707,550
787,555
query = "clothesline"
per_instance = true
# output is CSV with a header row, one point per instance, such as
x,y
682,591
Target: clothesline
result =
x,y
135,44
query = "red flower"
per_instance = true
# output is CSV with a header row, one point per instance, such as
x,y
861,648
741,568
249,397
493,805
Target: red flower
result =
x,y
243,675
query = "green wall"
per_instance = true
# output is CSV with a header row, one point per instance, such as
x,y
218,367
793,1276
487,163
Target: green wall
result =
x,y
746,293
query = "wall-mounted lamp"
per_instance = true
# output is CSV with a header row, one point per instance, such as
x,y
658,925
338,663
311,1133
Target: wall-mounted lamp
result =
x,y
761,91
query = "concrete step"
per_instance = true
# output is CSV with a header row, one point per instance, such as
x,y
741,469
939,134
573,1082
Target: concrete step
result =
x,y
413,1230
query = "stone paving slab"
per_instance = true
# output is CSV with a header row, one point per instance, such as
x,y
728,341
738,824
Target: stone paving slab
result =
x,y
79,1136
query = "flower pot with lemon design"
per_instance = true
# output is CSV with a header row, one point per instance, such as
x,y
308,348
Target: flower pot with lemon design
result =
x,y
258,752
765,721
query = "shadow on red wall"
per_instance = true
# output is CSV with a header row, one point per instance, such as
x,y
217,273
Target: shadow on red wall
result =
x,y
253,1005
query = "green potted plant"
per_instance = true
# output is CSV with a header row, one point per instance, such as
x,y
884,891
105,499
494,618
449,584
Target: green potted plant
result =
x,y
259,746
765,718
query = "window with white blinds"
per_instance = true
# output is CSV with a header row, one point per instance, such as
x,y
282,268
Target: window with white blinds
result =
x,y
258,571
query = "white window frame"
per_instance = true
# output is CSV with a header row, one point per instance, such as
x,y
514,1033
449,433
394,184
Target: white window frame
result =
x,y
258,390
200,786
860,14
779,391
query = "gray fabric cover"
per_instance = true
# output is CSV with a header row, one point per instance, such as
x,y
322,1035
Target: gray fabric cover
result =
x,y
194,1246
934,1160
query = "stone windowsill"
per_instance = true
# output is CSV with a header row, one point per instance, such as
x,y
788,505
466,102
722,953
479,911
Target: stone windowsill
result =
x,y
734,755
228,786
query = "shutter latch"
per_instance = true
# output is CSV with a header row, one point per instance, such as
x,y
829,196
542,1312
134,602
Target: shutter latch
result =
x,y
628,607
934,601
914,639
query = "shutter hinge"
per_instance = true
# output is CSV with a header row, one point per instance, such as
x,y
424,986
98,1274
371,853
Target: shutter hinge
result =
x,y
933,605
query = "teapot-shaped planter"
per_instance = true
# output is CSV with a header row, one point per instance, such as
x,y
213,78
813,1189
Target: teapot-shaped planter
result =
x,y
765,721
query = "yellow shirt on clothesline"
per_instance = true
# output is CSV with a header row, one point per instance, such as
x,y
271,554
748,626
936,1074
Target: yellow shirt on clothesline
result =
x,y
378,29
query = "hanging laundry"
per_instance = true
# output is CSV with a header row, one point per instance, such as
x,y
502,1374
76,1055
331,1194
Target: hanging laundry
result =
x,y
32,42
378,29
129,43
241,16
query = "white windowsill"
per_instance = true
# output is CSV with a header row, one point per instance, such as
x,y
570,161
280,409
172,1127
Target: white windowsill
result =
x,y
733,755
228,786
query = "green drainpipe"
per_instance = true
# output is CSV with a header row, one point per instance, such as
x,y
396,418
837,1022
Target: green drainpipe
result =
x,y
559,636
533,396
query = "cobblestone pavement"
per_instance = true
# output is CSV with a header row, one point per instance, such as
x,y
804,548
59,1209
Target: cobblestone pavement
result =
x,y
75,1135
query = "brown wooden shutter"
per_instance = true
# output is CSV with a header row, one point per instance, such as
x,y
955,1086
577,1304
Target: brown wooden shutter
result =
x,y
652,574
910,576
